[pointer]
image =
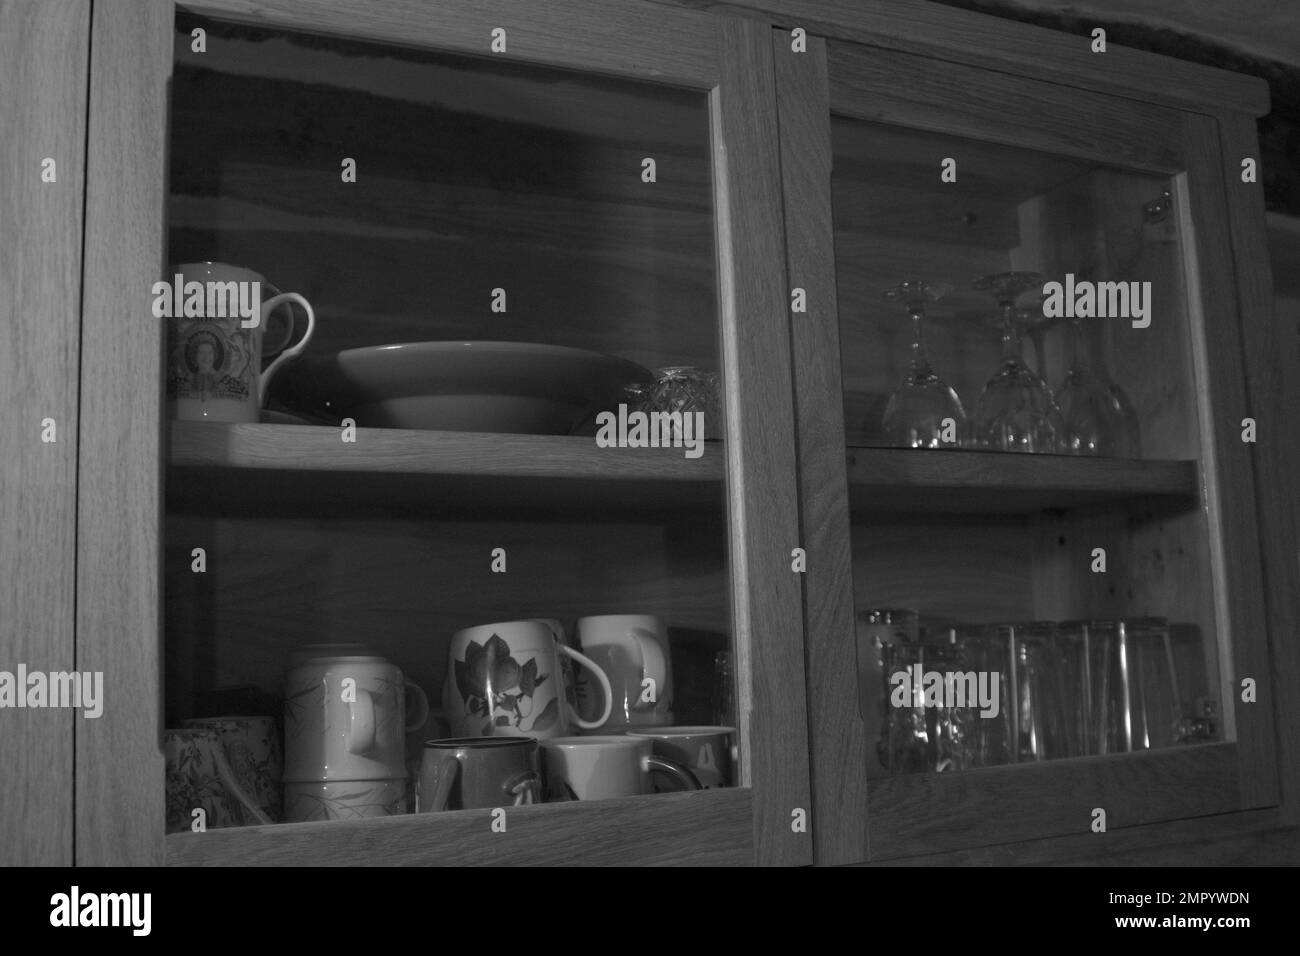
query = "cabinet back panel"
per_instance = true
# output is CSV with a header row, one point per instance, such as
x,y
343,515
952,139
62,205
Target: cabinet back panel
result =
x,y
405,587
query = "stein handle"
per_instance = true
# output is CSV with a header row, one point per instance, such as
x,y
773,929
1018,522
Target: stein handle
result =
x,y
654,666
421,706
227,775
683,775
447,771
293,351
592,666
361,723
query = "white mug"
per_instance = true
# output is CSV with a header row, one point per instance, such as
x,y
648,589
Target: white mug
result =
x,y
632,649
346,715
215,357
599,768
504,680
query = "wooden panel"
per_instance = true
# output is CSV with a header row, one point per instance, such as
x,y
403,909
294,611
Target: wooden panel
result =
x,y
404,586
923,813
119,763
1272,353
1252,838
964,36
889,87
621,37
761,473
883,478
43,63
839,788
1229,472
688,829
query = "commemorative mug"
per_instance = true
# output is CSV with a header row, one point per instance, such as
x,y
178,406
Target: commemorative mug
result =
x,y
468,773
346,713
216,345
504,680
253,751
632,649
199,778
602,767
708,752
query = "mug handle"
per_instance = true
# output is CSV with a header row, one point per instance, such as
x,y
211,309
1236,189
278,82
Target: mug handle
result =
x,y
592,666
421,707
227,775
294,350
653,665
361,723
447,772
683,774
524,787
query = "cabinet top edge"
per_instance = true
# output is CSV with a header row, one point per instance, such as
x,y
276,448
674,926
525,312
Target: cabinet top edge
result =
x,y
1034,52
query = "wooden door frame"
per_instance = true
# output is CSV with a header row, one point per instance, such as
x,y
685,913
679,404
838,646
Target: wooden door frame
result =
x,y
936,813
119,813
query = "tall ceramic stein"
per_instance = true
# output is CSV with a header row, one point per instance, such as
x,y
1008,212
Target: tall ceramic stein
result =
x,y
345,718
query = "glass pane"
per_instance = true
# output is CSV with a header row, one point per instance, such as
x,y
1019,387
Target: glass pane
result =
x,y
1007,318
511,273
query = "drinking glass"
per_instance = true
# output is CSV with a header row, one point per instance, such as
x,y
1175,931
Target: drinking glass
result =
x,y
923,412
1016,410
1096,412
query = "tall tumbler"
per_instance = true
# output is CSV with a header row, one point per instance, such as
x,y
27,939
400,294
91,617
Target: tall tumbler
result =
x,y
1138,700
1043,693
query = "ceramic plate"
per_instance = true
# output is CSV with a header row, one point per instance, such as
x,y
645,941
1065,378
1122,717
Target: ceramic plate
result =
x,y
459,386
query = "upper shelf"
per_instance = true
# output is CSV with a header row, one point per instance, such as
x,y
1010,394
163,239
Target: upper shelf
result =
x,y
889,479
282,465
436,468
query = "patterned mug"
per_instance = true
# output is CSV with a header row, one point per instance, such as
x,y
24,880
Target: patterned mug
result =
x,y
253,750
505,680
203,791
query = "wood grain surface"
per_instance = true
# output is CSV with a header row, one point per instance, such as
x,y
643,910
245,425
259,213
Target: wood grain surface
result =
x,y
762,463
839,786
879,478
929,812
963,36
1272,354
44,54
119,535
619,37
1251,838
708,828
1228,462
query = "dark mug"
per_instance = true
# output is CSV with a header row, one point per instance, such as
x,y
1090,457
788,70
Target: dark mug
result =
x,y
708,752
465,773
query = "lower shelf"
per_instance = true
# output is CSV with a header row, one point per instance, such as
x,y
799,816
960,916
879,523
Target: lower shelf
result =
x,y
706,828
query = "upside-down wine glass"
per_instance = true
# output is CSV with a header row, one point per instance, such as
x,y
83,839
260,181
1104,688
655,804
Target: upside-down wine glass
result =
x,y
923,412
1016,410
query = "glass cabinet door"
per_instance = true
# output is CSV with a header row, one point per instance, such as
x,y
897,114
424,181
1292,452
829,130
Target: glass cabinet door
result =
x,y
1036,386
520,464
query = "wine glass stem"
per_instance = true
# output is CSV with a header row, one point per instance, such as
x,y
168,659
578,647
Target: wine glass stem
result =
x,y
920,361
1010,335
1078,362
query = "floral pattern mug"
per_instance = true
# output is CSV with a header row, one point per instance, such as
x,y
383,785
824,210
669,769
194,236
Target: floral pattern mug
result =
x,y
503,680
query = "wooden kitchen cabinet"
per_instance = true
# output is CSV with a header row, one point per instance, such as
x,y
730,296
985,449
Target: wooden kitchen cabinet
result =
x,y
781,167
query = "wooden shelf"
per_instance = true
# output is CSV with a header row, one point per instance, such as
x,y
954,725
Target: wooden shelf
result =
x,y
894,479
305,466
284,466
706,828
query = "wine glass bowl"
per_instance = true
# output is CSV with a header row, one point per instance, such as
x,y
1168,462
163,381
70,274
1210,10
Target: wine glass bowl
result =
x,y
923,411
1016,410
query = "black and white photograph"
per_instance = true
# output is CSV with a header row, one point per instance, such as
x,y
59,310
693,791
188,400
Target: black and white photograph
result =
x,y
677,433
